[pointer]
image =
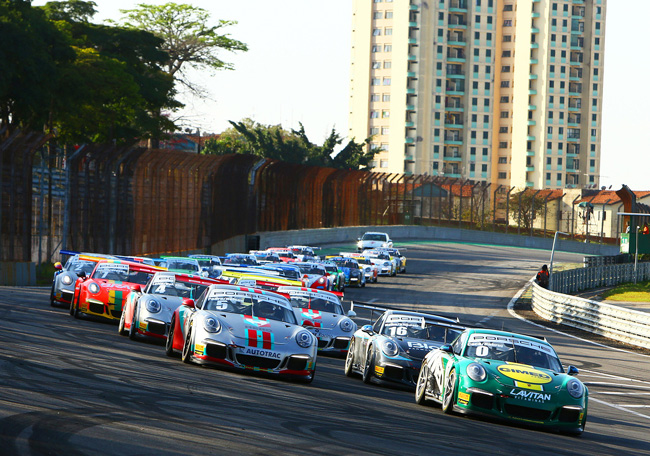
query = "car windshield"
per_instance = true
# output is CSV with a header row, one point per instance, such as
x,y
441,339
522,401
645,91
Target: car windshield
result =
x,y
418,328
351,265
512,350
240,259
77,266
331,268
312,269
259,307
120,273
182,264
176,288
208,262
315,303
373,237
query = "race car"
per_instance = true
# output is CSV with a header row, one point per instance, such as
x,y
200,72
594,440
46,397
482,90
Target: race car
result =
x,y
303,252
387,265
258,279
240,259
507,376
314,275
184,264
336,276
370,269
285,254
264,257
354,275
321,313
105,290
208,263
243,328
391,350
373,239
149,312
401,259
65,276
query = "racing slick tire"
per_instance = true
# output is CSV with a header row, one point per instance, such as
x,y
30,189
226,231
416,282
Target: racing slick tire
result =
x,y
74,309
169,343
186,356
133,332
450,392
421,385
349,360
52,301
120,326
369,366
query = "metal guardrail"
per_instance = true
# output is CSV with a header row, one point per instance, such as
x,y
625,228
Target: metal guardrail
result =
x,y
576,280
617,323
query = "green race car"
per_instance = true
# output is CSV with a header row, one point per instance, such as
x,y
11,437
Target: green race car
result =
x,y
504,375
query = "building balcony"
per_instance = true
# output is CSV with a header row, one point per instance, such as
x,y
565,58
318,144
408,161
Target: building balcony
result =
x,y
410,124
455,91
573,139
532,92
413,41
413,24
409,158
530,169
456,59
534,30
414,7
530,138
530,153
534,61
453,158
410,91
532,107
412,58
454,142
535,15
409,140
410,107
452,175
531,122
534,45
532,76
454,125
530,184
411,74
457,43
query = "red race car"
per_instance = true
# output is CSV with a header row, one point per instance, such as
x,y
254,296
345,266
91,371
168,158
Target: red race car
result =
x,y
106,289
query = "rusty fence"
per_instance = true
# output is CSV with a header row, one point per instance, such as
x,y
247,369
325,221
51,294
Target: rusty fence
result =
x,y
136,201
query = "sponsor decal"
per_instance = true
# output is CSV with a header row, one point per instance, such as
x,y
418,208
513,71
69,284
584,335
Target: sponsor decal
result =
x,y
199,349
530,396
165,279
379,370
116,297
262,353
311,314
405,320
314,324
421,346
529,386
463,398
143,325
113,267
497,341
256,321
260,339
523,373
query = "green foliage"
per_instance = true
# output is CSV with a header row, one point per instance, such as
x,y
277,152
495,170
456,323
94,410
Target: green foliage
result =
x,y
272,141
529,208
70,11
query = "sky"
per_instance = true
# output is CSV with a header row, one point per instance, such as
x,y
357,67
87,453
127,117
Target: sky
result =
x,y
297,70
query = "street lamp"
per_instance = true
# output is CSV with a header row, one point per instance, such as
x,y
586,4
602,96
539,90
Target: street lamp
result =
x,y
550,269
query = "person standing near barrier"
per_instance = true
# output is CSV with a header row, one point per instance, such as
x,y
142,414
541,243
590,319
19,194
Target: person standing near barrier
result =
x,y
542,277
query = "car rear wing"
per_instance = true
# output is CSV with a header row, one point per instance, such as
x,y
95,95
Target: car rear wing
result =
x,y
381,309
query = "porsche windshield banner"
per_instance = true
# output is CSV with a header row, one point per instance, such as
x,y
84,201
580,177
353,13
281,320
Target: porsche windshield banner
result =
x,y
500,341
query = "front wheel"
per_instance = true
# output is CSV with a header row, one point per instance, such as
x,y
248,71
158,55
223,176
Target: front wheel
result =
x,y
369,366
169,344
349,360
120,326
74,309
186,356
52,301
450,393
421,387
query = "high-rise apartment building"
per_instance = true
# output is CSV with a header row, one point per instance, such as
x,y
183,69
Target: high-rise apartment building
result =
x,y
500,91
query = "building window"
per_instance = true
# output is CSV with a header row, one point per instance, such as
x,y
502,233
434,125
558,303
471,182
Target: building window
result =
x,y
374,97
503,160
374,114
385,130
506,53
504,99
502,175
505,83
377,15
376,48
375,81
383,163
388,47
507,38
484,168
504,114
385,97
503,129
376,65
374,131
388,31
507,23
507,7
505,69
386,81
376,32
503,145
387,64
385,114
389,14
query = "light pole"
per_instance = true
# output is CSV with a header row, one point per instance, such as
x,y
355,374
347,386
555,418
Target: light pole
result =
x,y
550,269
636,253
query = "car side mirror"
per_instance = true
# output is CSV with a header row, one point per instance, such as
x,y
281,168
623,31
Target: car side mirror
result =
x,y
573,371
187,302
58,266
367,329
136,288
352,314
447,348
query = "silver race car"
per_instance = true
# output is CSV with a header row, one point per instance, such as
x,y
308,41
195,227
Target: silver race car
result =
x,y
149,313
243,328
66,275
321,312
391,350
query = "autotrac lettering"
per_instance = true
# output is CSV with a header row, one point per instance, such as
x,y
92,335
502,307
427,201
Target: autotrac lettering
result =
x,y
524,373
262,353
530,396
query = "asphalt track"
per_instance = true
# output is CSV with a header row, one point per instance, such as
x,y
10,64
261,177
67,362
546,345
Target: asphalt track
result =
x,y
75,387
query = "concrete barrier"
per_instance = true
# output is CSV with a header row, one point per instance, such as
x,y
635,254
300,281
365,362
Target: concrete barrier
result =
x,y
17,273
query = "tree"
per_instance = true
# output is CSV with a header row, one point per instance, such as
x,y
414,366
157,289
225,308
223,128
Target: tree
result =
x,y
70,11
524,209
187,38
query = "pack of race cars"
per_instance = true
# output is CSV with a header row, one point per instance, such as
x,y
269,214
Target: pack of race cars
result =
x,y
275,311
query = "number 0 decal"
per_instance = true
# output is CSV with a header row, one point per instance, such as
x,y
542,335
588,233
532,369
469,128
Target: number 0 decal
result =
x,y
482,351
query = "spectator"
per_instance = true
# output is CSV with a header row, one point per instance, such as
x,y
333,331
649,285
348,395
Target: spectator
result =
x,y
646,230
542,277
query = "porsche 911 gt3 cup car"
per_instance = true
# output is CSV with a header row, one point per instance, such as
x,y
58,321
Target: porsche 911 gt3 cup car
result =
x,y
336,275
401,259
66,276
149,312
209,264
354,275
370,269
321,312
243,328
373,239
383,261
314,275
391,350
507,376
103,292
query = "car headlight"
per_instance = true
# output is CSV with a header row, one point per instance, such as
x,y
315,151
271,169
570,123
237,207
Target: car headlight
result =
x,y
67,280
211,325
153,306
476,372
390,348
575,388
346,325
304,339
367,269
93,288
321,280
